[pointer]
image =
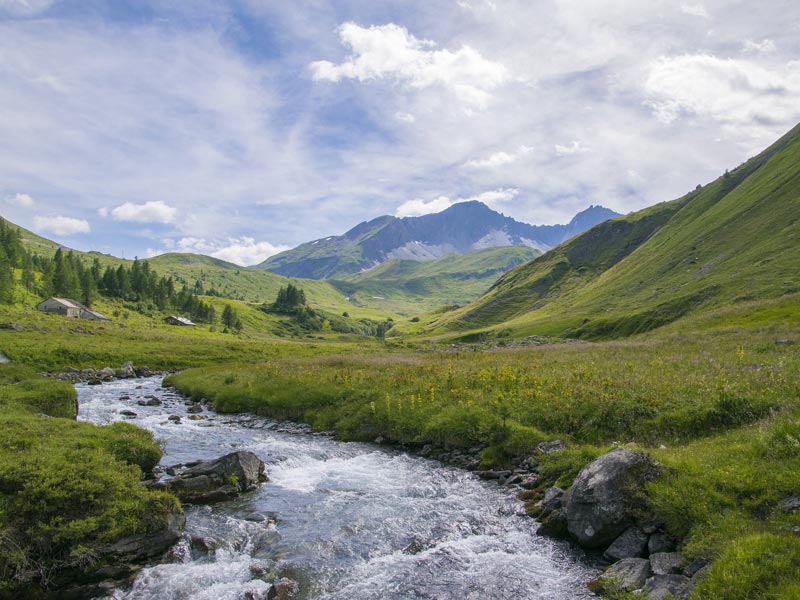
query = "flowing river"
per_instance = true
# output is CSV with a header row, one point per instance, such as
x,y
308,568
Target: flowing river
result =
x,y
345,520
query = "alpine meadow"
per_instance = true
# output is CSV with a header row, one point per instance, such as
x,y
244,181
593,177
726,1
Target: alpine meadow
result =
x,y
490,386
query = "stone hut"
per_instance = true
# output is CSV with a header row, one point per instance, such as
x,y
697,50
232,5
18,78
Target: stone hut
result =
x,y
70,308
175,320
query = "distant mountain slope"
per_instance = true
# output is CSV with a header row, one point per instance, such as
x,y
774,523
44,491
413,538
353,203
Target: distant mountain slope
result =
x,y
460,229
736,239
410,286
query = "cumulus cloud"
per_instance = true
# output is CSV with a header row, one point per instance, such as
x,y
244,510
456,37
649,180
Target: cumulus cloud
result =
x,y
391,52
735,93
500,158
419,207
61,225
244,251
149,212
495,198
574,147
695,10
23,200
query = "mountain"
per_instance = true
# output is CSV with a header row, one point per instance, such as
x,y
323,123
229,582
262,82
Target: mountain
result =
x,y
728,250
462,228
407,287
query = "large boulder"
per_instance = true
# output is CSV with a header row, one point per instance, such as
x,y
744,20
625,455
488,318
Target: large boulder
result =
x,y
598,507
214,480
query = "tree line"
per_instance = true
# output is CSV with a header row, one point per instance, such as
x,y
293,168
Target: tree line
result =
x,y
66,275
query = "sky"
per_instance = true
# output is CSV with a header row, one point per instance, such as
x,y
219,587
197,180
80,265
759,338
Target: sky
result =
x,y
240,128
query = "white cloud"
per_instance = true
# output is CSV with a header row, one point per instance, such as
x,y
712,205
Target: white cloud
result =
x,y
695,10
500,158
391,52
23,200
575,147
404,117
419,207
765,46
738,94
149,212
26,7
244,251
61,225
103,211
495,198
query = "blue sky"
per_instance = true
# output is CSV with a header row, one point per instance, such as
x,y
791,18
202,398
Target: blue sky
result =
x,y
240,128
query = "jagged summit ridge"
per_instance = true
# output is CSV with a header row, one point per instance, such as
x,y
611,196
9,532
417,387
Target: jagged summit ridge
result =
x,y
461,228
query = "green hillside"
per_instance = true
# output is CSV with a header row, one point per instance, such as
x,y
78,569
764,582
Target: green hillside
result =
x,y
734,240
408,287
220,278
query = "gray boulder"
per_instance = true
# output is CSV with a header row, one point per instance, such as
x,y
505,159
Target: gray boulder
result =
x,y
667,563
631,544
552,517
661,587
597,506
660,542
215,480
284,589
550,447
624,576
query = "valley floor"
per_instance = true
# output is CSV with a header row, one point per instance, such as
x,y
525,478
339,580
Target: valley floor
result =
x,y
718,410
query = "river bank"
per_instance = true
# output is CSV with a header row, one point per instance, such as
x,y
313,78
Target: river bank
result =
x,y
343,519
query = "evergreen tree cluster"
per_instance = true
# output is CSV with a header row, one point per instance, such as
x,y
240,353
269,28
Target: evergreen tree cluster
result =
x,y
291,300
67,276
230,318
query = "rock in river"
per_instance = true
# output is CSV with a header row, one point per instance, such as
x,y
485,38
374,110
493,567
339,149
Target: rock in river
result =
x,y
214,480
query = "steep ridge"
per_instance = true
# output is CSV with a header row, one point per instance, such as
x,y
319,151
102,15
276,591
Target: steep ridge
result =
x,y
462,228
735,239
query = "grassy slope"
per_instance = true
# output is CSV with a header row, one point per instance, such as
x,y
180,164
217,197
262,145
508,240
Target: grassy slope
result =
x,y
407,287
237,282
655,266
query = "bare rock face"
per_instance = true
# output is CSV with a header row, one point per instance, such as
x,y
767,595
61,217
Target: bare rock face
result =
x,y
598,505
214,480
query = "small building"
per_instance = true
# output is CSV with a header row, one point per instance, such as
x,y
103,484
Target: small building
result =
x,y
71,309
175,320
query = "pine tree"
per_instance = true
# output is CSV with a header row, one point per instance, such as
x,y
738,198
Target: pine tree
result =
x,y
6,278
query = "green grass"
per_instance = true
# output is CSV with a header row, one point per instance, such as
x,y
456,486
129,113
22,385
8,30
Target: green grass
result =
x,y
720,410
66,487
408,287
660,265
50,342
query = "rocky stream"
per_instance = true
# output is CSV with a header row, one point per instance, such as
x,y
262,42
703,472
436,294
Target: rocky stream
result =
x,y
334,520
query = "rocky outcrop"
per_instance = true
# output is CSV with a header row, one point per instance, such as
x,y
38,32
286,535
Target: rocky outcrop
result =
x,y
597,506
116,563
603,509
126,371
214,480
